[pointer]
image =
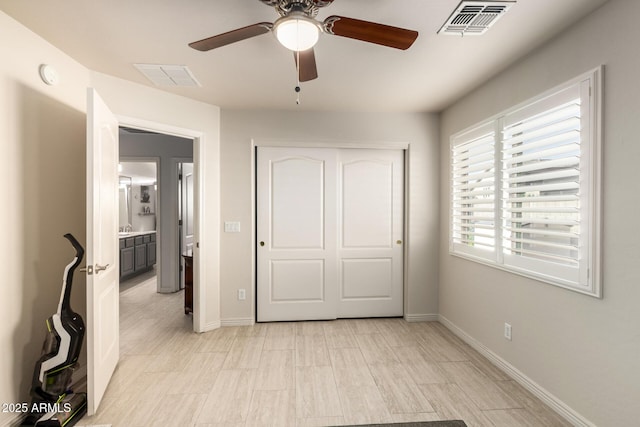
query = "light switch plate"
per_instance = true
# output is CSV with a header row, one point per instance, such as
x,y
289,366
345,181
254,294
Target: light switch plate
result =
x,y
231,227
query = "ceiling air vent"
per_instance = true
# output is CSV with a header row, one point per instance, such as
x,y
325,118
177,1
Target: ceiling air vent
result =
x,y
474,17
168,75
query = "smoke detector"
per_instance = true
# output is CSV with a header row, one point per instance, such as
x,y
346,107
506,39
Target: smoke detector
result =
x,y
473,17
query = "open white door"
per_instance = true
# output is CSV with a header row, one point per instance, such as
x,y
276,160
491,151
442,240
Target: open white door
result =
x,y
101,249
187,206
185,214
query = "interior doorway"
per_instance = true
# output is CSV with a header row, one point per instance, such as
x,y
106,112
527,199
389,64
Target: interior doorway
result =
x,y
194,139
140,146
137,220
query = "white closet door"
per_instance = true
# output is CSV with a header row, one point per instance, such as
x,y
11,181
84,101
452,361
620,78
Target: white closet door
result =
x,y
329,233
296,253
370,230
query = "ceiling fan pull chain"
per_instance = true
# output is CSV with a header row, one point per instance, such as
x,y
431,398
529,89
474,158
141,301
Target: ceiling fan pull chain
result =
x,y
297,89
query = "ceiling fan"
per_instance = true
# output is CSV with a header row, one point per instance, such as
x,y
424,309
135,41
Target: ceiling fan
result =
x,y
298,30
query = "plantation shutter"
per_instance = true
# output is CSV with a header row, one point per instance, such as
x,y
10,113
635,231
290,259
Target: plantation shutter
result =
x,y
473,222
526,188
541,186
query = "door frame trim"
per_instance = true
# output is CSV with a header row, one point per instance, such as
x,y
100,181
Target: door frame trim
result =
x,y
290,143
199,274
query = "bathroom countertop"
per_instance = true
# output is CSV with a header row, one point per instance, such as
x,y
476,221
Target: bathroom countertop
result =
x,y
123,235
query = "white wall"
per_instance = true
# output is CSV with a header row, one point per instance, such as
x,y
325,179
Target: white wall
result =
x,y
238,128
42,168
584,351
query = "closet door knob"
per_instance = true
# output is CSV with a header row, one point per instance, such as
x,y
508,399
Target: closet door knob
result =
x,y
261,243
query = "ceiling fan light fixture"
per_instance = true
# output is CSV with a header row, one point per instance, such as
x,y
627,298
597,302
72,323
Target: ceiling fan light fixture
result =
x,y
297,32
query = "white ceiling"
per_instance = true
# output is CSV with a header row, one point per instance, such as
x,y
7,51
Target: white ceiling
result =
x,y
258,73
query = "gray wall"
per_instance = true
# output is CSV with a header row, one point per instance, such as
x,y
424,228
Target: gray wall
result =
x,y
583,350
238,128
165,148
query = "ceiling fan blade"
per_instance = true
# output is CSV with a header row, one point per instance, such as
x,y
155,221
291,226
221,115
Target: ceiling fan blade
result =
x,y
371,32
232,36
307,67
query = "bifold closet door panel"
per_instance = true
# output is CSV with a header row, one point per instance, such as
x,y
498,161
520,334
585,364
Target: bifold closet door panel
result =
x,y
296,252
370,232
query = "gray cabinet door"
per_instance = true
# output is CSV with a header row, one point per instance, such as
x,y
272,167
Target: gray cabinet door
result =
x,y
126,261
151,254
140,257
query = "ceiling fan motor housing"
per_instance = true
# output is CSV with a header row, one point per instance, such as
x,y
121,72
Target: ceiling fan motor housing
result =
x,y
308,7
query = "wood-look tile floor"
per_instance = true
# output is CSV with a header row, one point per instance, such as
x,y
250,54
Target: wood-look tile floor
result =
x,y
301,373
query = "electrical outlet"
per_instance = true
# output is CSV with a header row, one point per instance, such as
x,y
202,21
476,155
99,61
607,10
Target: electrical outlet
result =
x,y
242,294
507,331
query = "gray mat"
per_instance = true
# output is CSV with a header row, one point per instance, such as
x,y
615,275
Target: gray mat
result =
x,y
452,423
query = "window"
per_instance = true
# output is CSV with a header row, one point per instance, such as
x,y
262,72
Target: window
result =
x,y
525,188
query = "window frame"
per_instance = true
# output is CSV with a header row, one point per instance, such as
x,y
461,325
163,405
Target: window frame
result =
x,y
587,277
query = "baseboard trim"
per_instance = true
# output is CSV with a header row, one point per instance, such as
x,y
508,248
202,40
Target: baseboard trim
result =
x,y
536,389
211,326
238,321
421,318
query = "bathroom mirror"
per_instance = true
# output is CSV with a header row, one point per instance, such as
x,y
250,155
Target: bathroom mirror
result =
x,y
124,217
138,196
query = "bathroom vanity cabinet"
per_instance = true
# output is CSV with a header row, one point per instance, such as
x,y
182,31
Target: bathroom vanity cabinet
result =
x,y
137,253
